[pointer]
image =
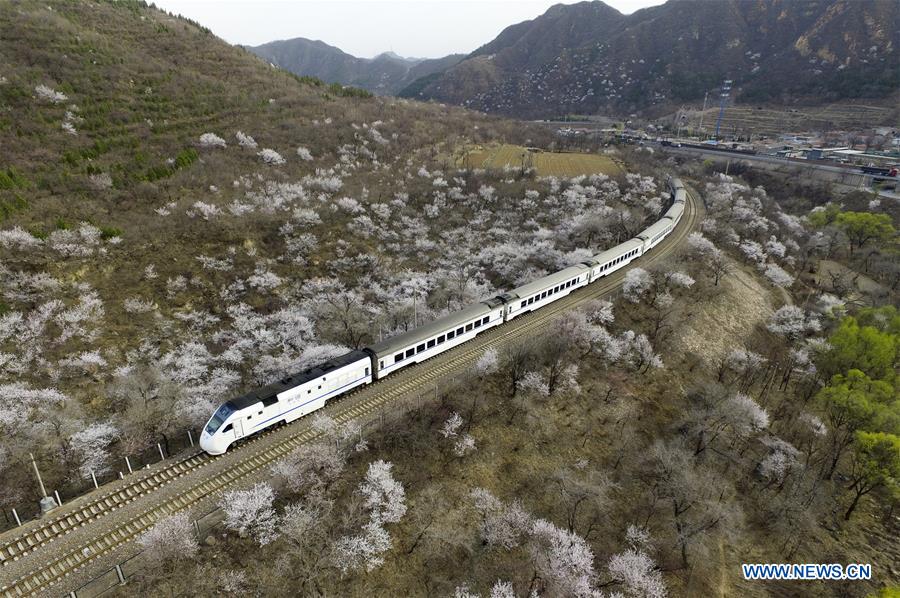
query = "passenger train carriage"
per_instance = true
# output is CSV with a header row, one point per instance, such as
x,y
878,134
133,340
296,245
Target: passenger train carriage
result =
x,y
435,337
307,391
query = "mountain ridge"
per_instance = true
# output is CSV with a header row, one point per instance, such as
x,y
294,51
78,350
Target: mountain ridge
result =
x,y
588,57
384,74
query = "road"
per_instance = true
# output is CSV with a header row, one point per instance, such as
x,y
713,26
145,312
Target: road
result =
x,y
853,179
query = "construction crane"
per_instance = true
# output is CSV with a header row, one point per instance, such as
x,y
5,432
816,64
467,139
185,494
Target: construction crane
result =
x,y
726,92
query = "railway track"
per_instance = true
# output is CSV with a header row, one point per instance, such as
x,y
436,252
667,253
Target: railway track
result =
x,y
19,576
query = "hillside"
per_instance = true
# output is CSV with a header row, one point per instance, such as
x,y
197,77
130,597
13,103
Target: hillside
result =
x,y
386,74
160,190
587,57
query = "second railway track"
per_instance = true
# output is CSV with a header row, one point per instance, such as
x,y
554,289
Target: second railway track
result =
x,y
21,546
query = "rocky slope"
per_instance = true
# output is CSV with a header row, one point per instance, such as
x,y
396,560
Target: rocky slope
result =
x,y
588,57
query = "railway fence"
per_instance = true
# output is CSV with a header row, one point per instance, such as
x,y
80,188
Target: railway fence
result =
x,y
178,445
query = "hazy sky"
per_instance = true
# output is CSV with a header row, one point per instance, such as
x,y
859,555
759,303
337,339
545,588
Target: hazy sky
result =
x,y
368,27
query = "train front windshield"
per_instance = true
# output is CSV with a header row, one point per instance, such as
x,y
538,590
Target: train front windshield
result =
x,y
218,418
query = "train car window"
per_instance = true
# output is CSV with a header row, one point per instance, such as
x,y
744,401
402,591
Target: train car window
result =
x,y
420,348
459,331
451,334
227,429
468,327
410,352
485,319
269,401
522,304
320,387
398,357
477,323
260,413
431,343
367,370
441,338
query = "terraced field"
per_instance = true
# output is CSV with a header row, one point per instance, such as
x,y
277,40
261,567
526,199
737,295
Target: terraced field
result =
x,y
546,163
747,119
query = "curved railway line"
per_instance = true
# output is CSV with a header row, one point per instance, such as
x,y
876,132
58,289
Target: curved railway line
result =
x,y
43,553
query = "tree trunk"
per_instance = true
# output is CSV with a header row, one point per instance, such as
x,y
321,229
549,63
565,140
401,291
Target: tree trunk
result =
x,y
853,505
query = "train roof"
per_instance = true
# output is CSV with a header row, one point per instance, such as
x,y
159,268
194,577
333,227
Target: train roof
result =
x,y
677,208
426,331
656,228
614,252
551,280
257,395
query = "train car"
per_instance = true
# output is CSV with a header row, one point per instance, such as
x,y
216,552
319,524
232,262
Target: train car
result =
x,y
284,401
607,262
434,338
675,213
655,233
303,393
542,291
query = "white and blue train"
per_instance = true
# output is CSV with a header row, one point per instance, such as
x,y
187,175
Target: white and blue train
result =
x,y
302,393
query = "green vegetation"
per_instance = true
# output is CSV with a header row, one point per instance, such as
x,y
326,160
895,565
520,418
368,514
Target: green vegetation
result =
x,y
11,205
108,232
861,400
11,179
184,159
861,227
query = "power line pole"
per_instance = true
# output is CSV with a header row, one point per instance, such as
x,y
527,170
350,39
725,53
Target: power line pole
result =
x,y
703,112
726,91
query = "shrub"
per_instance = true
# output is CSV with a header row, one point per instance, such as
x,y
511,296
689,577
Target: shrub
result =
x,y
108,232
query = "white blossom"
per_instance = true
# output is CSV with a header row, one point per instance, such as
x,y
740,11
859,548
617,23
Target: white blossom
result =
x,y
49,94
204,210
90,444
637,282
270,156
747,413
304,154
501,525
463,445
245,140
533,383
19,238
384,495
793,322
777,275
452,425
502,589
251,512
488,363
171,538
637,573
211,140
564,559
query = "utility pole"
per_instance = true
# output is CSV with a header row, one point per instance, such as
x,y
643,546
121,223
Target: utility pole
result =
x,y
703,112
723,99
48,503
